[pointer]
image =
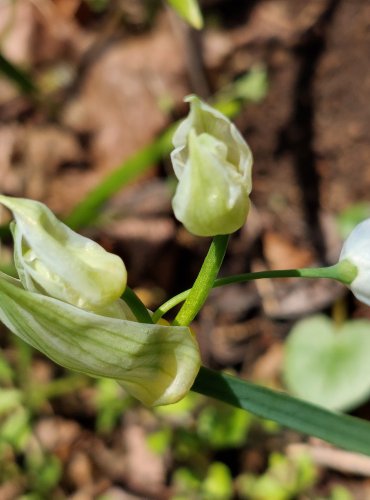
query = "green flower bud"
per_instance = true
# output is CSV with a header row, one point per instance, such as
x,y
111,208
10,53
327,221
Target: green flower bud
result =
x,y
189,10
156,364
213,164
54,260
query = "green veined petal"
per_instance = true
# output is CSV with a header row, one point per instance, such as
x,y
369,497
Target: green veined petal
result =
x,y
156,364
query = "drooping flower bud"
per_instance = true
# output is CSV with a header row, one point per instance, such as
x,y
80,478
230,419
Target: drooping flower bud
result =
x,y
213,164
188,10
154,363
356,251
52,259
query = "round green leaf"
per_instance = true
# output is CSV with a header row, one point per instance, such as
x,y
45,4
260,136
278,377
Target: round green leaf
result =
x,y
329,365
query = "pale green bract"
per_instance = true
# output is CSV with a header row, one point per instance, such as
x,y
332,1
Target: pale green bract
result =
x,y
156,364
188,10
52,259
213,164
66,305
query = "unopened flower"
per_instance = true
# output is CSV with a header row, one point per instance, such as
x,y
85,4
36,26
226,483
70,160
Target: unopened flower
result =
x,y
356,251
67,306
154,363
213,164
52,259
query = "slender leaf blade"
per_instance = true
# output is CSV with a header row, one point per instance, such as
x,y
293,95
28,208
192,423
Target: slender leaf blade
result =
x,y
341,430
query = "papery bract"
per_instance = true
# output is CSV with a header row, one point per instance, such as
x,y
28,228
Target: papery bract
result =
x,y
52,259
356,250
156,364
213,164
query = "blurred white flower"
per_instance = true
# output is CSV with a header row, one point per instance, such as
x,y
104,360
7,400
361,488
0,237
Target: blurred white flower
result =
x,y
356,250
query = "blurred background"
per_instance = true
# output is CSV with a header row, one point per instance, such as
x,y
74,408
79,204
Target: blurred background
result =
x,y
89,93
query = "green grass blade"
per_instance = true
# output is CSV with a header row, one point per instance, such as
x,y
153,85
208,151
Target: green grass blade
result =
x,y
341,430
86,211
22,80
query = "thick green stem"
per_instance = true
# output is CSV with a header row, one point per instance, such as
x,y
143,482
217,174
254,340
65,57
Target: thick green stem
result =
x,y
343,271
198,294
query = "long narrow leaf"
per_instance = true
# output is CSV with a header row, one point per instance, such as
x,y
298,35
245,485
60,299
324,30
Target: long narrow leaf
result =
x,y
341,430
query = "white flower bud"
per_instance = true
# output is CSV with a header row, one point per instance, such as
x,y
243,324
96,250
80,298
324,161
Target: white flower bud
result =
x,y
213,164
52,259
356,250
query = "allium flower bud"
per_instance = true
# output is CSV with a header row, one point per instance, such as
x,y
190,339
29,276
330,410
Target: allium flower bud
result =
x,y
52,259
213,164
154,363
356,250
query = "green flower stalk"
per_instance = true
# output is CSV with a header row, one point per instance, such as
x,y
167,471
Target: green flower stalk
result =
x,y
51,309
213,164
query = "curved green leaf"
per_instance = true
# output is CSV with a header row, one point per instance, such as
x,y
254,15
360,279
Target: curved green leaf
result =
x,y
341,430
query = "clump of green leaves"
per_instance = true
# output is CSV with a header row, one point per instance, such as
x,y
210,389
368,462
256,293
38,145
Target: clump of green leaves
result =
x,y
41,471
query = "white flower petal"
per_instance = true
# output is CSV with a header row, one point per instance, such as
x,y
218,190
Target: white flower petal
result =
x,y
356,249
